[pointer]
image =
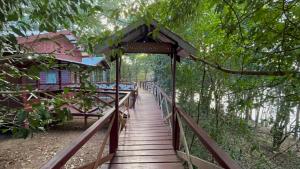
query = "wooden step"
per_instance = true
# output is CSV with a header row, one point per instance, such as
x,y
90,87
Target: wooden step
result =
x,y
145,159
145,147
144,166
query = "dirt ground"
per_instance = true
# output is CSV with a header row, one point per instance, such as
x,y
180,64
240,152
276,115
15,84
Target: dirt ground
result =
x,y
33,152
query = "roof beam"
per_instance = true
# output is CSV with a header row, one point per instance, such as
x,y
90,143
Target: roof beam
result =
x,y
147,47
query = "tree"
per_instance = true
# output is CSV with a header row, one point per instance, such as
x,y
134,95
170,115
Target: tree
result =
x,y
21,18
252,48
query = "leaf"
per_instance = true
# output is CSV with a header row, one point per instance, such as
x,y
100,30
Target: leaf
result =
x,y
5,130
21,116
13,16
20,132
17,31
98,8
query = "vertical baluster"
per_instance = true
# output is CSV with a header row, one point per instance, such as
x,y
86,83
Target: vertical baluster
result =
x,y
185,145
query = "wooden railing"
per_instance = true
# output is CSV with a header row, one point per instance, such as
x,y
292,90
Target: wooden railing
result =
x,y
59,86
61,158
102,100
219,155
109,84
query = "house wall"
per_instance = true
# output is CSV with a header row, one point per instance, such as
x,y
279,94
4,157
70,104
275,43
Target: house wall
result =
x,y
58,45
66,77
65,80
97,75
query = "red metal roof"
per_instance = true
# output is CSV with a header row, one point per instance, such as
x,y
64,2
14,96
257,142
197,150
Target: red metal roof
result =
x,y
55,43
50,35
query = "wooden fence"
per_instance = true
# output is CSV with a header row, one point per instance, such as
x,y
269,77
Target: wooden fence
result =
x,y
61,158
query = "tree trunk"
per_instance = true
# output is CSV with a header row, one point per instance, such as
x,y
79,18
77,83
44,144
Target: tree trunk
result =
x,y
247,114
257,117
136,74
286,122
297,123
281,121
146,72
217,109
199,104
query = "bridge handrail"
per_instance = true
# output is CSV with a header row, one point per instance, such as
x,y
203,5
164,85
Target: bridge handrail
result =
x,y
220,155
64,155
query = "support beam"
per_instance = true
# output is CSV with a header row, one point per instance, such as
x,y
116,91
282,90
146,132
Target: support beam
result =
x,y
75,78
114,134
147,47
37,83
85,120
59,77
176,129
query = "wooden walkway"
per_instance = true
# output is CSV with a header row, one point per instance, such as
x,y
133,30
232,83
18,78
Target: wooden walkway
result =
x,y
146,143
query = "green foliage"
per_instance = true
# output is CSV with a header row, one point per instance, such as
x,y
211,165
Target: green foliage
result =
x,y
20,18
28,122
237,35
242,35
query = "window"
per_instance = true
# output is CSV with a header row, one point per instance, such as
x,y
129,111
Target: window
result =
x,y
51,77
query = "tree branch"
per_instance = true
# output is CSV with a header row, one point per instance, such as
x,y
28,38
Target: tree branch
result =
x,y
246,72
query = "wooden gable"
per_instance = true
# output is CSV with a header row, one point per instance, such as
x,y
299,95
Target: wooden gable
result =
x,y
147,38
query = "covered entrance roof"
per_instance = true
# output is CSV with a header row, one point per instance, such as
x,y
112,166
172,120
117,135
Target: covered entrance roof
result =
x,y
147,38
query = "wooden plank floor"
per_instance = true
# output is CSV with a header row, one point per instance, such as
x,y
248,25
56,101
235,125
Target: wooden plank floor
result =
x,y
146,143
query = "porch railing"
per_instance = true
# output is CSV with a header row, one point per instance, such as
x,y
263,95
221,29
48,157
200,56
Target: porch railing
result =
x,y
61,158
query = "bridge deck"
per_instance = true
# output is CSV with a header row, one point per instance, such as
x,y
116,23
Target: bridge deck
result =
x,y
146,143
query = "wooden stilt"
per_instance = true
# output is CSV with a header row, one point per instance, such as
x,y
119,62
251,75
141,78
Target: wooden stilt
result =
x,y
114,134
175,127
85,120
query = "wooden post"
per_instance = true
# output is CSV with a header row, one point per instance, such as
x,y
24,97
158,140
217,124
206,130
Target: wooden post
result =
x,y
176,130
59,76
79,78
85,120
75,78
114,134
37,82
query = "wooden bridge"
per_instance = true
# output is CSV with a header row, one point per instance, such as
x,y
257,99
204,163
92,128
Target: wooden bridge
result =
x,y
146,140
151,138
